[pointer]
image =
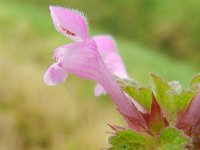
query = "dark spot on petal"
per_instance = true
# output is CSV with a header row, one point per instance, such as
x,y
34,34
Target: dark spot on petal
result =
x,y
67,31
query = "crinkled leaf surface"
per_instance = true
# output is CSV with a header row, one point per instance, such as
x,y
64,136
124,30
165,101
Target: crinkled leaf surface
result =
x,y
172,139
168,139
127,140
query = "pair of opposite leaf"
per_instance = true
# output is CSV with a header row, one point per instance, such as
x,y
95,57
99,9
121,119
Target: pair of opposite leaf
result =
x,y
93,58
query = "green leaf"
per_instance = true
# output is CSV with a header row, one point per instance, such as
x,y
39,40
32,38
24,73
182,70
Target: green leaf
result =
x,y
127,140
183,100
170,97
195,81
161,91
168,139
127,82
143,95
172,139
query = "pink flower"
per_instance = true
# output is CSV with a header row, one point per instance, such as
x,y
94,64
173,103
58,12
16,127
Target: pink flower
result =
x,y
83,59
70,23
108,51
55,75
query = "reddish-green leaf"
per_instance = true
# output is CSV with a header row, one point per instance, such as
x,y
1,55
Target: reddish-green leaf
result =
x,y
155,119
191,117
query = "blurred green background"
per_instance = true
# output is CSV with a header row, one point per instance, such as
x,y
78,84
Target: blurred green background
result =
x,y
152,36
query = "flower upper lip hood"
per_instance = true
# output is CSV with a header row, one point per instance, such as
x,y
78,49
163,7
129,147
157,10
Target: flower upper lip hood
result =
x,y
86,58
70,23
